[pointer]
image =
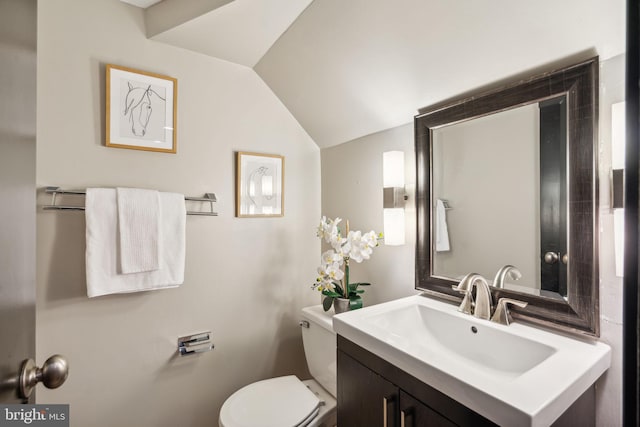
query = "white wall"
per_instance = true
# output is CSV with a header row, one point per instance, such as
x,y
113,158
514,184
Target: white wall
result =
x,y
246,279
352,188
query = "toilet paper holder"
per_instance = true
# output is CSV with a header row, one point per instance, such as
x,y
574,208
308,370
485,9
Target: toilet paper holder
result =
x,y
195,343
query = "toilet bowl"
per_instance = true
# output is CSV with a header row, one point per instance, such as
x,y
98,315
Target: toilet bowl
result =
x,y
288,401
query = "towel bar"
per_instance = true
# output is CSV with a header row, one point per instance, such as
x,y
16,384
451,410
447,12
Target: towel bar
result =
x,y
54,191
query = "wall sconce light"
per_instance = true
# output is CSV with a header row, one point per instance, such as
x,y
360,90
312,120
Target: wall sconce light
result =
x,y
394,197
618,132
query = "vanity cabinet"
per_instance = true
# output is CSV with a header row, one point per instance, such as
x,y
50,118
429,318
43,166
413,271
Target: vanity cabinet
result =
x,y
367,399
374,393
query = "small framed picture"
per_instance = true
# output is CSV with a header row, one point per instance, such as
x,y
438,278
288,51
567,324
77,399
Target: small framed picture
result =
x,y
259,185
141,110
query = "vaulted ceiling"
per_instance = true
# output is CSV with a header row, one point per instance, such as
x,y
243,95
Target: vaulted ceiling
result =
x,y
348,68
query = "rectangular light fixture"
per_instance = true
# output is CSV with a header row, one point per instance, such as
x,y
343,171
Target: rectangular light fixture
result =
x,y
393,197
618,140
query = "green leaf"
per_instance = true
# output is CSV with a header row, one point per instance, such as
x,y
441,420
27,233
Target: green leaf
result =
x,y
331,294
327,303
339,290
364,284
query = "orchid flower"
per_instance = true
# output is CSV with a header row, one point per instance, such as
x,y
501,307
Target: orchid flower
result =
x,y
331,257
328,230
333,280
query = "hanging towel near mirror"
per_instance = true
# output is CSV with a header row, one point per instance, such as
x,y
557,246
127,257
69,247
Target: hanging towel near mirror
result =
x,y
442,233
102,252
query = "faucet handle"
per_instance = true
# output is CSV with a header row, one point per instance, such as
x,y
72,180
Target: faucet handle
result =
x,y
502,315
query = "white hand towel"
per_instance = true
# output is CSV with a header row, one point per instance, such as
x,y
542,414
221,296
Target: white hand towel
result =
x,y
442,232
102,250
139,228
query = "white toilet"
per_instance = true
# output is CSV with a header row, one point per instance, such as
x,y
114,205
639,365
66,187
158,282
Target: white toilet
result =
x,y
288,401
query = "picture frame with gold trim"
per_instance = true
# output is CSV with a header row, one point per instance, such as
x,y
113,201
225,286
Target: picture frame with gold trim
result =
x,y
259,185
141,110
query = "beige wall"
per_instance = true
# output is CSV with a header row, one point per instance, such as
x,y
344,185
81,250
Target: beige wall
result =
x,y
352,188
246,279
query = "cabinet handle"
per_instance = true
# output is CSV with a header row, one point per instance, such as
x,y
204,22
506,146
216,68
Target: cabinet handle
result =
x,y
385,405
402,419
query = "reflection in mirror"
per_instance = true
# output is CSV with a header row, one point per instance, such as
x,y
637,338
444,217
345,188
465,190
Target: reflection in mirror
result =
x,y
507,178
505,205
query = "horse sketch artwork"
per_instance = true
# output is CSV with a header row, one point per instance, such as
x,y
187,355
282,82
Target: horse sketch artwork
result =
x,y
141,110
139,104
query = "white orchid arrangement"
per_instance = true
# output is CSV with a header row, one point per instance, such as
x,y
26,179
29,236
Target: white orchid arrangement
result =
x,y
333,280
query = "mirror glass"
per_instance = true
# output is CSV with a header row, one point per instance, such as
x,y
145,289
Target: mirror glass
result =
x,y
508,177
495,203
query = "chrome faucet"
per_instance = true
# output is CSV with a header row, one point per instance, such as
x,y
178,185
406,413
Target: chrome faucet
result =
x,y
482,309
512,271
482,306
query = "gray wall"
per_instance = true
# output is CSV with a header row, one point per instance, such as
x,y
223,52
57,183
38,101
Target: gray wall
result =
x,y
245,280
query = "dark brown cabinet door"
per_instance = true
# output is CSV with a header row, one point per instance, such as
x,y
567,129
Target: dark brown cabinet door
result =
x,y
414,413
365,399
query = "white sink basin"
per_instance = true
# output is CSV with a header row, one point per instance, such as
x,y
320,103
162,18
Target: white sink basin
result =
x,y
512,375
439,333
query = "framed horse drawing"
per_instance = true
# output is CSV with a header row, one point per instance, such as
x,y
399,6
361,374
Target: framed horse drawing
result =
x,y
141,110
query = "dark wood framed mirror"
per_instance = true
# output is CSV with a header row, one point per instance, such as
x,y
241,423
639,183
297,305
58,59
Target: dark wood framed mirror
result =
x,y
509,177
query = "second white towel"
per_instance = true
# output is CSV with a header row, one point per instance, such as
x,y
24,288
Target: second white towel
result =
x,y
139,229
442,232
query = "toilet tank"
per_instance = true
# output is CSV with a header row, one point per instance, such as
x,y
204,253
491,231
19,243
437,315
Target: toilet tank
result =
x,y
320,346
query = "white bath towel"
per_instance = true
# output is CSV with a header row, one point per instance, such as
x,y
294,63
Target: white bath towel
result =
x,y
139,229
102,250
442,232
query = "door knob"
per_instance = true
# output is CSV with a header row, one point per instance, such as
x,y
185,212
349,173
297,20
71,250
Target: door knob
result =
x,y
53,374
551,257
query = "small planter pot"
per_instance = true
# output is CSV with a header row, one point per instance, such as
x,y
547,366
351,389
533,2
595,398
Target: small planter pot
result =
x,y
340,305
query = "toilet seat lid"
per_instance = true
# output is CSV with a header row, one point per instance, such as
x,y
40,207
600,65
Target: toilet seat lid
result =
x,y
276,402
